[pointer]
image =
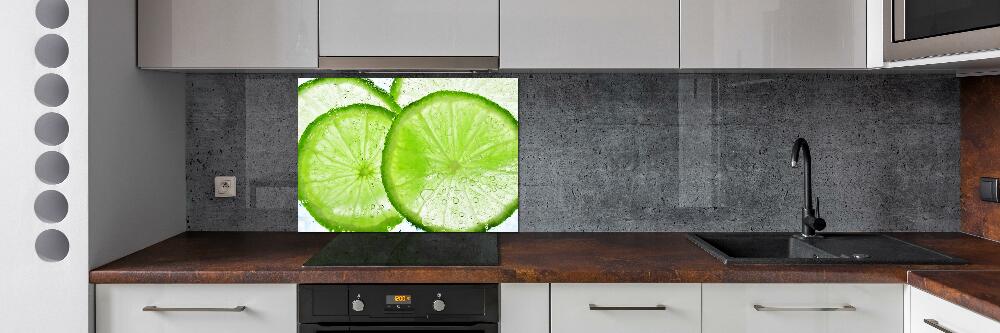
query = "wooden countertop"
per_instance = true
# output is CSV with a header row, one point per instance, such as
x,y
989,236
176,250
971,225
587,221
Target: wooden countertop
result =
x,y
978,291
268,257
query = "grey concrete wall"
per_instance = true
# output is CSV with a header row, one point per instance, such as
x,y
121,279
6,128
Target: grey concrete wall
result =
x,y
640,152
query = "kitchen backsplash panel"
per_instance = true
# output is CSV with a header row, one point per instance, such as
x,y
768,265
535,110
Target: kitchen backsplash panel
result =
x,y
639,152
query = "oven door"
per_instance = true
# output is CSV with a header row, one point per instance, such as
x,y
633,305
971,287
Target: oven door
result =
x,y
916,29
474,328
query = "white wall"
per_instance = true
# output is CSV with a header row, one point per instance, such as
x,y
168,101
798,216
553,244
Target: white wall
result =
x,y
126,134
38,295
137,185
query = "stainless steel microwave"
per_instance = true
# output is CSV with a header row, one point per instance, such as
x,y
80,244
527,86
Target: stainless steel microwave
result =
x,y
916,29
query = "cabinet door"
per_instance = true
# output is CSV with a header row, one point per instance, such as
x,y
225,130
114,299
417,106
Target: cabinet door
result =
x,y
196,308
407,28
626,307
524,308
227,34
802,308
930,314
773,34
589,34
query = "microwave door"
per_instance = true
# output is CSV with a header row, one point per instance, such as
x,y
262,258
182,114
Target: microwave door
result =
x,y
916,29
916,19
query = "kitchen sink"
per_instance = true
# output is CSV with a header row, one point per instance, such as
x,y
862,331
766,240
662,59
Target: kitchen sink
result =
x,y
831,248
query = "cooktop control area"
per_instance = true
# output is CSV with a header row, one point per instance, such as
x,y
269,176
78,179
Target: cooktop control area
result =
x,y
362,307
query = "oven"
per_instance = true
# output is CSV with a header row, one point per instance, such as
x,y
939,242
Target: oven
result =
x,y
387,308
916,29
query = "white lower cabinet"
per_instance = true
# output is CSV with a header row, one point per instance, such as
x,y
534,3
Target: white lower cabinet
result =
x,y
569,307
930,314
524,308
625,307
189,308
802,308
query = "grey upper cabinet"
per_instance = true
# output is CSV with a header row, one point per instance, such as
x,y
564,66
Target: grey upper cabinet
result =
x,y
409,34
582,34
193,34
508,34
774,34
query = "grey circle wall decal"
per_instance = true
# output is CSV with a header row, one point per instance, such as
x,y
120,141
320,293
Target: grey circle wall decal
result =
x,y
52,167
51,51
51,129
51,206
51,90
52,245
52,13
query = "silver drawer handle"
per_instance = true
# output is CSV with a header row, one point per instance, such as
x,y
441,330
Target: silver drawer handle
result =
x,y
935,324
840,308
657,307
159,309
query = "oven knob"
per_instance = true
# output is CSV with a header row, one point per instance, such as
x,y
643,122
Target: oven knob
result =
x,y
358,305
438,305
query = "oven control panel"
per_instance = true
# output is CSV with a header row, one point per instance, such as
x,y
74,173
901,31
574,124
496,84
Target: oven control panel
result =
x,y
422,300
398,303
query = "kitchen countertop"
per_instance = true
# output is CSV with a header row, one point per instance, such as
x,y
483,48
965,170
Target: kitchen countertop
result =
x,y
974,290
277,257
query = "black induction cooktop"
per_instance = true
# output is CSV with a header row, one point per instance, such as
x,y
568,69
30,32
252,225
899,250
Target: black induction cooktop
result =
x,y
409,249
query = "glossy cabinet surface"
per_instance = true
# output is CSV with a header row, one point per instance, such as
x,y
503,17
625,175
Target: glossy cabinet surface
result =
x,y
773,34
227,33
927,309
406,28
270,308
802,308
589,34
524,308
626,307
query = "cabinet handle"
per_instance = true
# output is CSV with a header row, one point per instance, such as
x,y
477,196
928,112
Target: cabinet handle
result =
x,y
657,307
935,324
759,307
154,308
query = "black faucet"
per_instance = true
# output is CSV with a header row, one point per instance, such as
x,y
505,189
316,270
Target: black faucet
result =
x,y
811,222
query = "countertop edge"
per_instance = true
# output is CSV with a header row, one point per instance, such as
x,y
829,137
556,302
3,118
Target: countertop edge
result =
x,y
934,282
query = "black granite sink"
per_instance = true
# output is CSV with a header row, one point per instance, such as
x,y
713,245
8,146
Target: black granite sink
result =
x,y
832,248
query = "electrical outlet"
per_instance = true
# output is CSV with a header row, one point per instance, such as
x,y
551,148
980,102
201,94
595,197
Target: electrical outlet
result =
x,y
225,187
988,189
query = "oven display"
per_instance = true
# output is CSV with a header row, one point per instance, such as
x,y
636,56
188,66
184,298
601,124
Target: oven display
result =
x,y
398,303
398,299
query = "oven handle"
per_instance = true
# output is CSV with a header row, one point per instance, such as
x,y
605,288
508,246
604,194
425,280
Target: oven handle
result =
x,y
321,329
485,328
313,328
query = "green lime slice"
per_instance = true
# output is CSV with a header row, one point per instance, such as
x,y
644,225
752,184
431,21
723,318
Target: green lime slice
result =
x,y
502,91
340,181
318,96
450,163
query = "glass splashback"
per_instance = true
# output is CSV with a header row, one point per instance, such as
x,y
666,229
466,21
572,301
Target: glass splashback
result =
x,y
407,154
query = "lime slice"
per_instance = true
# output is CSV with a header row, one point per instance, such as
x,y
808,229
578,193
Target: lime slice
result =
x,y
340,181
502,91
450,163
318,96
